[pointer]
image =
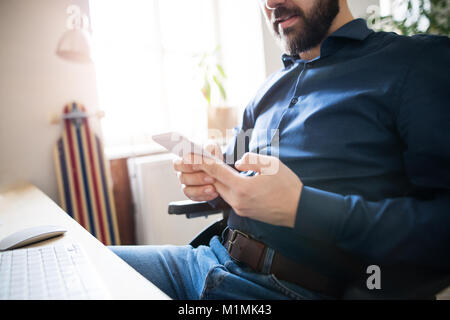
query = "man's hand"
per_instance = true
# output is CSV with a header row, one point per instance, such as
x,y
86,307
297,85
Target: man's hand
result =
x,y
272,196
196,184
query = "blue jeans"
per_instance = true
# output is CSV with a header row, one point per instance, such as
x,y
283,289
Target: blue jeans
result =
x,y
206,272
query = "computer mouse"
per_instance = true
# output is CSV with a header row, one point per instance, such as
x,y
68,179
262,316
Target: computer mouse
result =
x,y
30,235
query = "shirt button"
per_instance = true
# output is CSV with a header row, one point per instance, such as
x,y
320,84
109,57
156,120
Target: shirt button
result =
x,y
294,101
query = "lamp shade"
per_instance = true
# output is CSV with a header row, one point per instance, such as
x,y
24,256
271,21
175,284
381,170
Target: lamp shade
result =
x,y
75,46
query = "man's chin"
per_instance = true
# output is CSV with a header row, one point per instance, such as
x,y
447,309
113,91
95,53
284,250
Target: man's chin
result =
x,y
290,35
295,42
290,43
289,32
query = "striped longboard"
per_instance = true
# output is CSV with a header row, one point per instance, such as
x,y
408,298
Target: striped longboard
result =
x,y
85,189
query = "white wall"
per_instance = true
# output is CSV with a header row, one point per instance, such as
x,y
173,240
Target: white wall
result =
x,y
34,85
273,52
358,7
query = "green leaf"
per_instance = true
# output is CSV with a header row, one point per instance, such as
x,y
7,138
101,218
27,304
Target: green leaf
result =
x,y
216,49
206,90
220,69
221,88
203,60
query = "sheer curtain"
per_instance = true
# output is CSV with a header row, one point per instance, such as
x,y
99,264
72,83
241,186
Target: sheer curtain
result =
x,y
147,71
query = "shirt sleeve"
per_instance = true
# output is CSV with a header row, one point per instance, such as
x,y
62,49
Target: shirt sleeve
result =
x,y
412,230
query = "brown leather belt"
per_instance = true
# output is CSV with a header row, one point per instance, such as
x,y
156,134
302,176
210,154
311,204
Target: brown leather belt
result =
x,y
243,248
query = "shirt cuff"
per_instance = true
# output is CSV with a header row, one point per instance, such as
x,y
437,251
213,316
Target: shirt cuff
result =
x,y
319,214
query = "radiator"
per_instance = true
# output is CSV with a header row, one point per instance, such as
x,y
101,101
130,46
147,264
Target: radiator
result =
x,y
154,184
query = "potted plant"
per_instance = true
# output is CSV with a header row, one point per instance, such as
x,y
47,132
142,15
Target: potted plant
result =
x,y
221,116
416,16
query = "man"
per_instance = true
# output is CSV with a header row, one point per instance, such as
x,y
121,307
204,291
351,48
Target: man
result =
x,y
350,141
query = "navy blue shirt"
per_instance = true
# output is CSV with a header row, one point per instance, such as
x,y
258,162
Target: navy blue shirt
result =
x,y
366,127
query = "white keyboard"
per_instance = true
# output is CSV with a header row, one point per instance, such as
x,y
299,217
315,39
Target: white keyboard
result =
x,y
60,271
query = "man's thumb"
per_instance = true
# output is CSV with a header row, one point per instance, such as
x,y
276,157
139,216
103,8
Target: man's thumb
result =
x,y
254,162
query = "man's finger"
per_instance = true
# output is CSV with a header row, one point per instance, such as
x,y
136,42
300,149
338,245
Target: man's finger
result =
x,y
181,166
195,179
217,169
200,193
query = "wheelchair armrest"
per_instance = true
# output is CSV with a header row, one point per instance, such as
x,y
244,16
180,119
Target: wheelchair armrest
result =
x,y
193,209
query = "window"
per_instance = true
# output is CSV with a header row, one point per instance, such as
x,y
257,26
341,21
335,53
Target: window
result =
x,y
147,74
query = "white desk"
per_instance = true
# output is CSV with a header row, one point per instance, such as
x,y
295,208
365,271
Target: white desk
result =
x,y
27,206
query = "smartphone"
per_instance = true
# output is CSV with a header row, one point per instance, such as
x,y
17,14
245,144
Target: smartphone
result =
x,y
178,144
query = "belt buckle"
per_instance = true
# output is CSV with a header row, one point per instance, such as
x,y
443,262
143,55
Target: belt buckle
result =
x,y
234,234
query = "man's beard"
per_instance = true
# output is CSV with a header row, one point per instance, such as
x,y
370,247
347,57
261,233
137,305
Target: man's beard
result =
x,y
309,32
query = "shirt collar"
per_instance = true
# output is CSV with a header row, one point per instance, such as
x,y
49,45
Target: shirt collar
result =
x,y
356,30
